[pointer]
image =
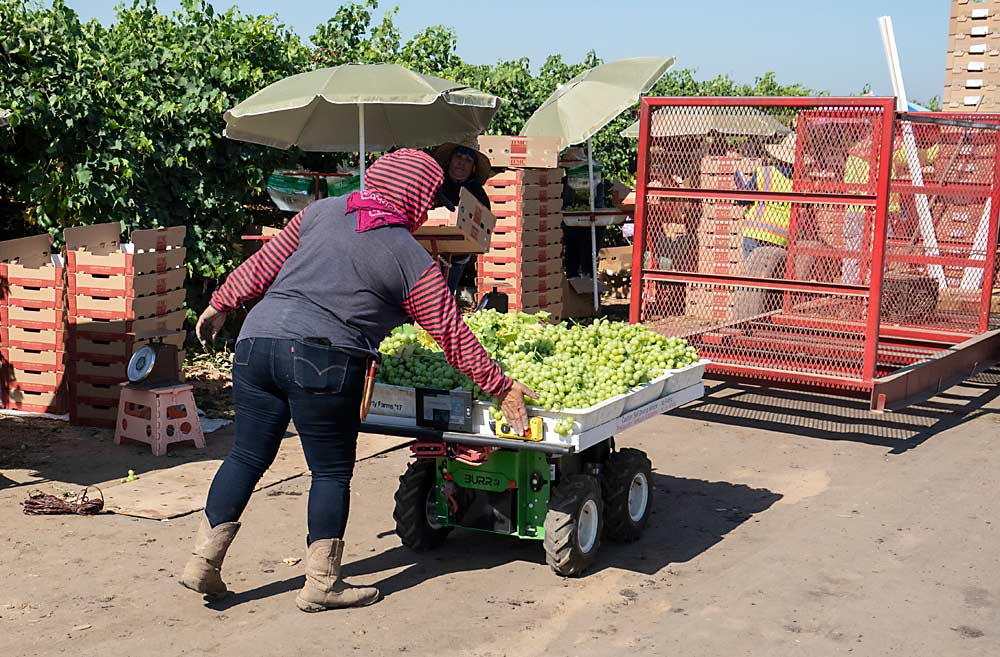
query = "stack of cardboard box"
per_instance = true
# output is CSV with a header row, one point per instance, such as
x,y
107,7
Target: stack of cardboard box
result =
x,y
956,223
525,257
117,294
524,260
972,73
719,237
32,326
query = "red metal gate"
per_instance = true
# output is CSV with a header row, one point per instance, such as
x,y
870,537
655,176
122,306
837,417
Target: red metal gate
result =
x,y
845,268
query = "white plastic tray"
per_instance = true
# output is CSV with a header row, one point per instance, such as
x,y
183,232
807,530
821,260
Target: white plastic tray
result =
x,y
577,441
582,220
400,404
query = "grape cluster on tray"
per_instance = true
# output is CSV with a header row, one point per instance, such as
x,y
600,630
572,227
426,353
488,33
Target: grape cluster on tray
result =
x,y
569,366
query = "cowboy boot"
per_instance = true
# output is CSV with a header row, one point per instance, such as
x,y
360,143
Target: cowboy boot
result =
x,y
203,570
324,588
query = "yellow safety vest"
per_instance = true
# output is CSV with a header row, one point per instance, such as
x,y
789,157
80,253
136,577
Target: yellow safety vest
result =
x,y
856,173
768,221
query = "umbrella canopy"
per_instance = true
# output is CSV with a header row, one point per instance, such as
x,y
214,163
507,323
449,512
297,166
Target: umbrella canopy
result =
x,y
3,117
591,100
581,107
694,121
327,109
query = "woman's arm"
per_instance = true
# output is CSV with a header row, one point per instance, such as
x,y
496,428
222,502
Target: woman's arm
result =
x,y
255,275
431,305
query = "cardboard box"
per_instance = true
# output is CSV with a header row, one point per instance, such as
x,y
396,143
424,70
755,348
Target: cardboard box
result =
x,y
32,401
723,210
721,165
101,414
710,226
34,297
468,229
34,339
34,318
98,250
126,285
526,152
535,299
526,177
97,371
33,380
120,349
552,223
615,259
29,262
721,241
95,393
517,192
507,267
540,207
576,305
116,329
713,181
124,308
521,253
530,238
35,360
519,285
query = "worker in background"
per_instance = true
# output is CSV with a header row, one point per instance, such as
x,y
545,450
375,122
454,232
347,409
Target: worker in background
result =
x,y
340,276
464,166
766,222
856,175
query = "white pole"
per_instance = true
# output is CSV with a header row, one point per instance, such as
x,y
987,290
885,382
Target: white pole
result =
x,y
972,277
361,142
926,222
593,222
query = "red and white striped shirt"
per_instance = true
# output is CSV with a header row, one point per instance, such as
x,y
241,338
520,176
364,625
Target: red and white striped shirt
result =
x,y
429,303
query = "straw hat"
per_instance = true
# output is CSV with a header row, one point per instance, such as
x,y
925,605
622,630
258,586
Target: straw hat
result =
x,y
784,150
483,169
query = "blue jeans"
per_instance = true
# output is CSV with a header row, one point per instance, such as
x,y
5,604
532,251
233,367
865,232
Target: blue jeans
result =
x,y
749,244
458,265
320,389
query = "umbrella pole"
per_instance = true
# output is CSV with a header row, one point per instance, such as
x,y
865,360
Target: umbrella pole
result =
x,y
593,223
361,143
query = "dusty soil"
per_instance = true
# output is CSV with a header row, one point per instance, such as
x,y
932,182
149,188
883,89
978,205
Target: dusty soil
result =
x,y
785,524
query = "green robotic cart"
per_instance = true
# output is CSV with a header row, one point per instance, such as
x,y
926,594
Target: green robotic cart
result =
x,y
570,502
568,491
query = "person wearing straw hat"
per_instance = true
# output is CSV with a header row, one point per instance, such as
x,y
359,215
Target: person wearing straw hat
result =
x,y
337,279
464,167
766,222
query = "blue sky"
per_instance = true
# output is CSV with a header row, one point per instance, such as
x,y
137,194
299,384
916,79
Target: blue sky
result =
x,y
833,46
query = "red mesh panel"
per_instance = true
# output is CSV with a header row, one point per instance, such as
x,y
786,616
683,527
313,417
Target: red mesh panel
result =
x,y
830,240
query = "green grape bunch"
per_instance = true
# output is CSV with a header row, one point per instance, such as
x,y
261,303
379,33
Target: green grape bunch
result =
x,y
570,366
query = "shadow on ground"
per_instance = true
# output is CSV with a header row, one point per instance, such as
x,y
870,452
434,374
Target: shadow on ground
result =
x,y
836,418
689,517
36,451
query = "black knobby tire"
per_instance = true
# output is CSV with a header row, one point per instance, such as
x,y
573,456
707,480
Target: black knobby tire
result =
x,y
563,549
412,525
623,469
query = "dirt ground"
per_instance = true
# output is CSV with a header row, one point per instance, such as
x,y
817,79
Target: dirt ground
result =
x,y
785,524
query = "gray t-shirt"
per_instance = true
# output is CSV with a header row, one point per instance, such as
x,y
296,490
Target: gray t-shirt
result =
x,y
339,284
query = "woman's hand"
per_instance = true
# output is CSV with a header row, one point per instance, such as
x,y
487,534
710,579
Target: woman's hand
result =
x,y
209,325
512,405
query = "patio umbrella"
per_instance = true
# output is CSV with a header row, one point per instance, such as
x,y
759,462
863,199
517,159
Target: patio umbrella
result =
x,y
581,107
693,121
361,107
3,117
